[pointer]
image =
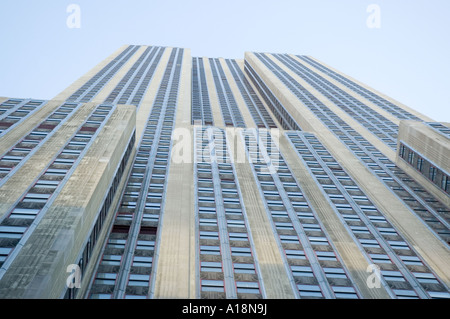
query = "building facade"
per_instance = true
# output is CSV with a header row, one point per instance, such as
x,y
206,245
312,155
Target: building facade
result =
x,y
162,175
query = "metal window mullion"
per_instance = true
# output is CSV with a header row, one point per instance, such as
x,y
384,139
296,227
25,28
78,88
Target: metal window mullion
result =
x,y
229,95
142,68
272,223
373,230
80,91
123,55
316,81
106,75
36,147
95,221
264,90
226,112
230,286
175,77
381,102
128,254
407,189
130,75
309,252
13,109
36,108
339,215
148,76
320,110
200,89
197,230
149,63
246,223
52,197
244,91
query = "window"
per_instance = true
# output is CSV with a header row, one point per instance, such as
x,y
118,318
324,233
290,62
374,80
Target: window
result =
x,y
369,243
120,229
305,215
145,245
141,261
411,260
402,293
15,232
284,225
311,227
247,287
4,252
36,198
326,255
204,209
209,235
345,292
432,173
111,260
419,164
390,275
309,291
439,294
302,271
116,243
279,213
425,278
138,280
26,213
380,258
236,223
241,251
349,217
397,244
47,184
289,239
56,171
244,268
210,250
410,157
106,279
207,222
360,229
211,266
445,182
238,236
335,273
101,296
135,297
318,240
387,231
213,285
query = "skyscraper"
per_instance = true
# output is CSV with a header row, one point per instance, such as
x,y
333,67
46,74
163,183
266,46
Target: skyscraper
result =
x,y
162,175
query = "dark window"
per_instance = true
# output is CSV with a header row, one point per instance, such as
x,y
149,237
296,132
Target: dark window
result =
x,y
121,229
148,230
419,163
432,173
410,157
444,182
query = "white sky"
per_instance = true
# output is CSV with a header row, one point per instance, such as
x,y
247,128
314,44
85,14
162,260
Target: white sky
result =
x,y
406,58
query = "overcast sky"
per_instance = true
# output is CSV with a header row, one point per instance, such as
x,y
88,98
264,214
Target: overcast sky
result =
x,y
406,56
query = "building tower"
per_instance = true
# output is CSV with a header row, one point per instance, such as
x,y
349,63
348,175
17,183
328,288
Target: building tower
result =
x,y
162,175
